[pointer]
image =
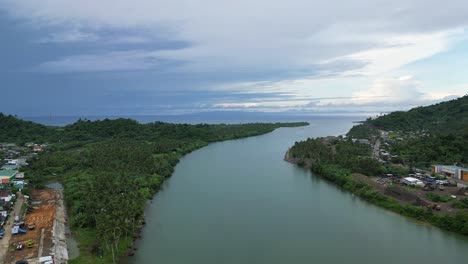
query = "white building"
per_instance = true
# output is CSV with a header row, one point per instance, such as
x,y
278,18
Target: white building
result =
x,y
412,181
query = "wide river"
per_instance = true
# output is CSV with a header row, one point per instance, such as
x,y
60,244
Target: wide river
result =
x,y
239,202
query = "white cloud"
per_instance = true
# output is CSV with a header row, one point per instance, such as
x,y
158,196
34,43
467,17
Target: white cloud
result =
x,y
401,90
325,49
269,35
112,61
79,36
386,94
397,51
70,36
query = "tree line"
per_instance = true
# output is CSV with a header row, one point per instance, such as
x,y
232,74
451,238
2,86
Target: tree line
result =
x,y
110,168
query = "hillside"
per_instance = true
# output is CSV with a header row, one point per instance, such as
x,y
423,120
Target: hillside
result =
x,y
377,154
450,117
424,135
16,130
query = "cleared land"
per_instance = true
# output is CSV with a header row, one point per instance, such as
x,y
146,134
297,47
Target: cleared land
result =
x,y
42,213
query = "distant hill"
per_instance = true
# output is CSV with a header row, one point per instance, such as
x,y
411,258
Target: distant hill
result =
x,y
446,117
431,134
16,130
450,117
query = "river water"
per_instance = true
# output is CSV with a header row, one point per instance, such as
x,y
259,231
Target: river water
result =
x,y
239,202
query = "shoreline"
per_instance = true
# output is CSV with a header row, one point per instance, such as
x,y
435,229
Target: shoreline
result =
x,y
402,203
60,248
127,255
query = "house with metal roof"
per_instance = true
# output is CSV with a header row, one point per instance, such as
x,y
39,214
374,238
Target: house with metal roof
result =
x,y
7,176
453,171
9,167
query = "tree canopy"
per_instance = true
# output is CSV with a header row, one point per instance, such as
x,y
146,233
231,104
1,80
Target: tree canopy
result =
x,y
109,168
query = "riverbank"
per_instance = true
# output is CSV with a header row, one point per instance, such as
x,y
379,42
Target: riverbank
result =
x,y
391,197
218,198
150,163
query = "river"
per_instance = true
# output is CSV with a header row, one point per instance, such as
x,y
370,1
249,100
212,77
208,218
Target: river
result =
x,y
239,202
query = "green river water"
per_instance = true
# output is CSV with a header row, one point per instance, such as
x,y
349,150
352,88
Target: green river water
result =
x,y
239,202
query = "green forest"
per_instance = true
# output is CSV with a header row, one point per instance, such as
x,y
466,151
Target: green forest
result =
x,y
353,156
431,134
449,117
337,159
110,168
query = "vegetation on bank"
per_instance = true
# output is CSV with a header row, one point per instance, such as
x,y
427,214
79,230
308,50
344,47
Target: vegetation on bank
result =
x,y
342,177
110,168
354,156
433,134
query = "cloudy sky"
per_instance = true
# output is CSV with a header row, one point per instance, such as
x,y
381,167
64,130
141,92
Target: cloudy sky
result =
x,y
145,57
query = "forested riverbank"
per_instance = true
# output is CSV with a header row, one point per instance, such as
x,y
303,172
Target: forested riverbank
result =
x,y
110,168
414,140
341,176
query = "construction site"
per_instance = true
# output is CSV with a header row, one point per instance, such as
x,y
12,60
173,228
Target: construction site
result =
x,y
36,234
418,196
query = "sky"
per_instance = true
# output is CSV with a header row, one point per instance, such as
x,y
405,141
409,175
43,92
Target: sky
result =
x,y
155,57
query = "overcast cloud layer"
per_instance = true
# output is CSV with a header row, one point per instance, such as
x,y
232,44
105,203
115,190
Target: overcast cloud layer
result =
x,y
326,56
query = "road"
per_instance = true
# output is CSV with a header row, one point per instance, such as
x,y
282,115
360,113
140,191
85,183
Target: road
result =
x,y
376,151
5,241
60,240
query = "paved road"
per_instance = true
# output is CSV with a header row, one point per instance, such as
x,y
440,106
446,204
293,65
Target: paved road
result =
x,y
5,241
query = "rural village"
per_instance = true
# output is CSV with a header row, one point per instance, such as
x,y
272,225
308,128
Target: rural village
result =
x,y
32,220
441,188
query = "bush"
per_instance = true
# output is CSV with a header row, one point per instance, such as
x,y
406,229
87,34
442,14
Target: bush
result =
x,y
437,198
461,204
341,177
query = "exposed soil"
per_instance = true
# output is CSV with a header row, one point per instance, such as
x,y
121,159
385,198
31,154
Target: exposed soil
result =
x,y
412,196
288,158
406,196
43,216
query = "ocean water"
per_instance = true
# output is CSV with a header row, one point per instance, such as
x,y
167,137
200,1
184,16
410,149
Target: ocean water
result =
x,y
209,118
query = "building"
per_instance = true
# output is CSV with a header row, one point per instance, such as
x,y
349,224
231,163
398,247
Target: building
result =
x,y
37,148
9,167
452,171
7,176
13,162
361,140
412,181
19,184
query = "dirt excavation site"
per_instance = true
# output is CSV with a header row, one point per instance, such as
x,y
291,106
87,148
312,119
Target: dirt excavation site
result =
x,y
40,229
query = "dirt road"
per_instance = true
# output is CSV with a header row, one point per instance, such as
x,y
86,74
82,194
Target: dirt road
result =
x,y
43,204
376,151
5,241
60,251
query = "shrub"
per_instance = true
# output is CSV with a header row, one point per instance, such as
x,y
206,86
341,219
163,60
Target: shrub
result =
x,y
437,198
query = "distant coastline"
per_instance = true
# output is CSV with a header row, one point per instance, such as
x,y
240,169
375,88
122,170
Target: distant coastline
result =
x,y
212,118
